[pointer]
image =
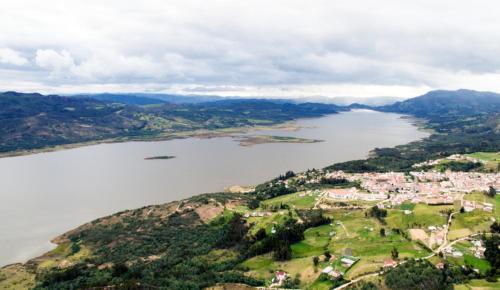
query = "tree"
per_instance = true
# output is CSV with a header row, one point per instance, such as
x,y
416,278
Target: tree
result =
x,y
394,253
315,260
495,228
327,255
462,209
382,232
419,275
292,283
283,252
233,231
253,204
492,192
378,213
492,252
75,248
260,234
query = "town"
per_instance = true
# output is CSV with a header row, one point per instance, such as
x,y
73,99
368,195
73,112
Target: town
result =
x,y
427,214
432,188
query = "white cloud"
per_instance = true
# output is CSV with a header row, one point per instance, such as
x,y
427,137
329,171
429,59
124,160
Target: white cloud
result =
x,y
253,47
53,60
9,56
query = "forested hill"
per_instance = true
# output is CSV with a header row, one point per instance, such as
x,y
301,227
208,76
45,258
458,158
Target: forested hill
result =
x,y
125,99
32,121
448,103
463,121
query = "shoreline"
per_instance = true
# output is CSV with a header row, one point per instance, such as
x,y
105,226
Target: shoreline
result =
x,y
201,134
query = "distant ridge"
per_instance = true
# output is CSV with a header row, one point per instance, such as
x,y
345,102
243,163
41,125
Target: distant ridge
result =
x,y
441,102
35,121
141,99
125,99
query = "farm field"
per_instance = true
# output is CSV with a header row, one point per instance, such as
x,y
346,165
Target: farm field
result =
x,y
492,159
300,200
478,285
477,221
422,216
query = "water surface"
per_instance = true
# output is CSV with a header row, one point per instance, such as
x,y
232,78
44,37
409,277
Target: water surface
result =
x,y
46,194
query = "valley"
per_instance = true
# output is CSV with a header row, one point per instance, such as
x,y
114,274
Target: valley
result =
x,y
422,213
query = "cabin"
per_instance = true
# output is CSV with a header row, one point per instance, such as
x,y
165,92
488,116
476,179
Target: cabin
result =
x,y
347,262
336,274
390,263
280,277
327,270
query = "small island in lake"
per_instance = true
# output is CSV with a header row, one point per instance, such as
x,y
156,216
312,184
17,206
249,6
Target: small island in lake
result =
x,y
264,139
161,157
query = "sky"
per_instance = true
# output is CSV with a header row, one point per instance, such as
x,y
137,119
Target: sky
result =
x,y
250,48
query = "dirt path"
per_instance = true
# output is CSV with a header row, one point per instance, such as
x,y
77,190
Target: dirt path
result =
x,y
346,232
320,199
435,252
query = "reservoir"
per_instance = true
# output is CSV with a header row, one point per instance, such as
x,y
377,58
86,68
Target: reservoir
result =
x,y
46,194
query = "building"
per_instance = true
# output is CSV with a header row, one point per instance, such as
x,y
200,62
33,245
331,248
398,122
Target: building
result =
x,y
327,270
280,277
335,274
457,254
390,263
347,262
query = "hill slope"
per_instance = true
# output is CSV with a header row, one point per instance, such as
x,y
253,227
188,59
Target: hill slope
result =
x,y
463,121
126,99
32,121
452,103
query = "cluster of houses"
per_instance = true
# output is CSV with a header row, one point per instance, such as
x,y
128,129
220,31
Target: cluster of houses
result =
x,y
451,181
257,214
477,249
336,273
438,235
428,182
353,194
432,188
470,205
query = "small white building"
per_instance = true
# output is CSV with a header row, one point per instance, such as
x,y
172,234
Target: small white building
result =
x,y
348,262
457,254
327,270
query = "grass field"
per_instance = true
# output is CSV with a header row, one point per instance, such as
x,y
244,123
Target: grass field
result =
x,y
294,200
16,277
321,285
264,266
492,159
468,223
469,258
478,285
421,217
351,230
267,222
362,235
315,242
476,221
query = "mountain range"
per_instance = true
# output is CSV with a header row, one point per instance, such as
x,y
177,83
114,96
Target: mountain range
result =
x,y
33,121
